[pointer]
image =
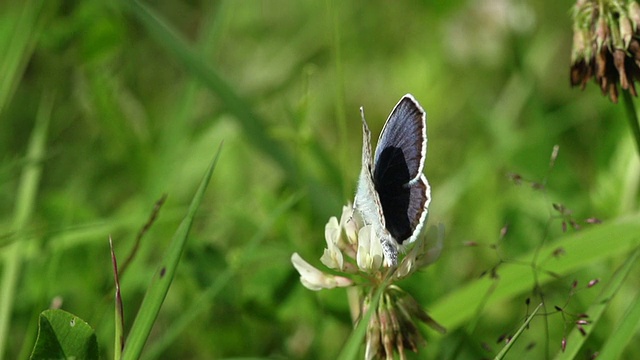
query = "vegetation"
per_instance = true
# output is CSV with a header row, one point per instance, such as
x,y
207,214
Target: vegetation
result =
x,y
107,106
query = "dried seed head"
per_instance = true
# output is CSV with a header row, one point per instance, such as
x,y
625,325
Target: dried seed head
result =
x,y
559,252
516,178
634,14
602,33
605,45
626,31
582,330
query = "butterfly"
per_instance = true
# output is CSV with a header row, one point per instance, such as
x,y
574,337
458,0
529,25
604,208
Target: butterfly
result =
x,y
393,194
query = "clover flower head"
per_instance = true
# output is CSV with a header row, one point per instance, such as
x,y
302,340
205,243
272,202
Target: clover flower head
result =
x,y
354,258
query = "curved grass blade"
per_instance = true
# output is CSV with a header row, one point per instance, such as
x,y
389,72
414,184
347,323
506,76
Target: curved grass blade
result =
x,y
582,248
119,315
576,339
254,126
27,20
623,333
164,275
203,303
515,337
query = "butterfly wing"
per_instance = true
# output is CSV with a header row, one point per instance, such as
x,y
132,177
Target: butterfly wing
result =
x,y
402,189
405,130
367,200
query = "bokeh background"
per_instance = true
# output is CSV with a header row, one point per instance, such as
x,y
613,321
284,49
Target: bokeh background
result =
x,y
137,97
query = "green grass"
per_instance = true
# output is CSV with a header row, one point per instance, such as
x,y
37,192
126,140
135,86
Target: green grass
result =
x,y
105,107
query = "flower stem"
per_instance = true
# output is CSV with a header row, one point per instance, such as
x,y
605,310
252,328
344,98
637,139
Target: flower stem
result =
x,y
632,115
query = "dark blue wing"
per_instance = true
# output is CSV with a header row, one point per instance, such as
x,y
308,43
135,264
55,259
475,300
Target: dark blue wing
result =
x,y
399,160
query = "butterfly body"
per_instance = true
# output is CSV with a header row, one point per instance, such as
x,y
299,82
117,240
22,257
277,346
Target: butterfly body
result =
x,y
393,195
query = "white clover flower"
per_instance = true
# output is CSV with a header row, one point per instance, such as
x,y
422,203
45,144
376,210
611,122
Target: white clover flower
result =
x,y
350,221
353,247
314,279
369,257
355,251
332,257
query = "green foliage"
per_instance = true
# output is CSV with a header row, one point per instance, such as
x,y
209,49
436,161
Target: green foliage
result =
x,y
159,286
515,337
578,336
106,106
62,335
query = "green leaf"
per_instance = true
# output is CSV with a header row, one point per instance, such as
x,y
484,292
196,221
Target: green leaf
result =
x,y
576,339
582,249
623,333
161,281
62,335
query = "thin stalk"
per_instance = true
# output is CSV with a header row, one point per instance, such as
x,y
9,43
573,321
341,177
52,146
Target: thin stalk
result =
x,y
24,208
632,116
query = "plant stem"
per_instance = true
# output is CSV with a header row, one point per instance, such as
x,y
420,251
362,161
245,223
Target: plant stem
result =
x,y
632,115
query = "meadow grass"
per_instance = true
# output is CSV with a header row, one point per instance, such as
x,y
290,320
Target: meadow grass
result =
x,y
106,106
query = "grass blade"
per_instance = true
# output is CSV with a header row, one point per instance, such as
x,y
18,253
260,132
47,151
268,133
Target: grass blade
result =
x,y
19,45
119,311
161,281
624,332
355,341
25,203
512,341
576,339
206,299
582,248
254,126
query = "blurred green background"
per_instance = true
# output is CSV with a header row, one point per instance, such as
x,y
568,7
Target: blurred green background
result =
x,y
137,97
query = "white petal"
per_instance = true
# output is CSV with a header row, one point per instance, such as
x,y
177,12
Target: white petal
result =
x,y
369,257
332,258
332,231
314,279
348,222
